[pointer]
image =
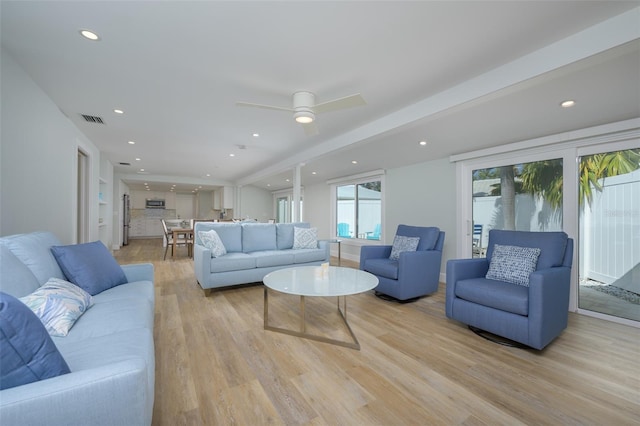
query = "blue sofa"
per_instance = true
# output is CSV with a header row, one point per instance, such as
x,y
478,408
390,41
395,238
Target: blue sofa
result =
x,y
532,313
109,349
253,250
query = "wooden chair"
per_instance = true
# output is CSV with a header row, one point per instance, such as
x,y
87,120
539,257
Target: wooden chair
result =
x,y
170,241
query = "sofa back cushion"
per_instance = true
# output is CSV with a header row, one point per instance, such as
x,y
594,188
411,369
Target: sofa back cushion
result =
x,y
258,237
229,233
428,235
284,233
15,278
552,245
34,251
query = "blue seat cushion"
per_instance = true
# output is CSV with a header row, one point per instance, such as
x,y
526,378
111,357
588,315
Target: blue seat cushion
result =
x,y
308,255
386,267
232,262
27,352
499,295
90,266
272,258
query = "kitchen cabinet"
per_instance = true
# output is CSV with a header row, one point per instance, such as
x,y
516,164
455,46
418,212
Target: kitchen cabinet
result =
x,y
223,198
138,199
144,227
228,197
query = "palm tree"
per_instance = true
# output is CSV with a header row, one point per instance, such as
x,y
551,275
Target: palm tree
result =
x,y
544,179
601,166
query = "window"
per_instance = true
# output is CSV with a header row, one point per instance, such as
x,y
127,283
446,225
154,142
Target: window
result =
x,y
358,209
523,197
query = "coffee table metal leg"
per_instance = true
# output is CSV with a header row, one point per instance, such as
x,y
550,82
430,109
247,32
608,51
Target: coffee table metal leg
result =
x,y
302,316
302,333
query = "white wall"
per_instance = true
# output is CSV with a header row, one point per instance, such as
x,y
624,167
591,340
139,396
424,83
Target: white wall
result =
x,y
420,195
38,154
423,195
255,203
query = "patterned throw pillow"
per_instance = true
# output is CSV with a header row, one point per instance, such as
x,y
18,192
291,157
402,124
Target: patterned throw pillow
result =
x,y
402,243
211,240
513,264
58,304
305,238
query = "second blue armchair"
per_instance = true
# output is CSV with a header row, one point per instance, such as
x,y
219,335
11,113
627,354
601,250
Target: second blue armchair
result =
x,y
414,273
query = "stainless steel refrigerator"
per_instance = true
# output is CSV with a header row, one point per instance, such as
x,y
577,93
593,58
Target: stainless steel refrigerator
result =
x,y
126,218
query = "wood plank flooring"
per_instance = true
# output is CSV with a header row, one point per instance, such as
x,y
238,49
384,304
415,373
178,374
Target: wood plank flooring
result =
x,y
215,365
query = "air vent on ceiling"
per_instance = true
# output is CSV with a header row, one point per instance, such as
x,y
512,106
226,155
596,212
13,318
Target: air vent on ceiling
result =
x,y
92,119
125,164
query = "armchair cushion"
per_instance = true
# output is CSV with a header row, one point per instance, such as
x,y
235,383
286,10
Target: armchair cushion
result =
x,y
495,294
513,264
428,235
383,268
402,244
552,245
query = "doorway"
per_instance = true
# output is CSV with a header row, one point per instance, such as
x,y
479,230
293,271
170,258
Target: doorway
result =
x,y
82,213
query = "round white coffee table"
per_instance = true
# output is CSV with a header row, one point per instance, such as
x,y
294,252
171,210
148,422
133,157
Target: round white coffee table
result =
x,y
317,281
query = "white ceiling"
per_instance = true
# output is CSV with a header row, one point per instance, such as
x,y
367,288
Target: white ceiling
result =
x,y
461,75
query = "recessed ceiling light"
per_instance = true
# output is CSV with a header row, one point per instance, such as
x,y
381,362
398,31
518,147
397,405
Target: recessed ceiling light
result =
x,y
232,155
354,162
256,135
131,143
268,184
89,35
568,104
313,173
286,180
137,159
142,170
118,111
208,175
423,143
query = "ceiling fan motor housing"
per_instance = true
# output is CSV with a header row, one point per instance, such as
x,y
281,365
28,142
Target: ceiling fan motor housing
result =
x,y
303,103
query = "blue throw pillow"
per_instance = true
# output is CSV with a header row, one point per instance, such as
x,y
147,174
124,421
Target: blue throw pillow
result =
x,y
513,264
27,353
90,266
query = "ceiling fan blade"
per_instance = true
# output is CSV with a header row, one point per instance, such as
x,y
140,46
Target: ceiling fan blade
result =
x,y
310,129
341,103
251,104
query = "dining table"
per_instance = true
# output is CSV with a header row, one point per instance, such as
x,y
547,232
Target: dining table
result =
x,y
187,232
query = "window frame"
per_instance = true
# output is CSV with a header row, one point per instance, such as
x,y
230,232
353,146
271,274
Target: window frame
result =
x,y
376,175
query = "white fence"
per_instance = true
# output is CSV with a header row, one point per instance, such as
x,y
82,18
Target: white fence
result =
x,y
610,232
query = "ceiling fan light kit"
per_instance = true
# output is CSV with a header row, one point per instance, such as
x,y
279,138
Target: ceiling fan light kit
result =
x,y
304,116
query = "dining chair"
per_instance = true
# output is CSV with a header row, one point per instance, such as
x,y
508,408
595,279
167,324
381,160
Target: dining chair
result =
x,y
168,235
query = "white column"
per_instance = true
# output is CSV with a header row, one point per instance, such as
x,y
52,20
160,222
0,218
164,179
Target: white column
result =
x,y
296,193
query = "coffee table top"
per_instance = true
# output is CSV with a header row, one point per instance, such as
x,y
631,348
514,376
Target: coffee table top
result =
x,y
320,281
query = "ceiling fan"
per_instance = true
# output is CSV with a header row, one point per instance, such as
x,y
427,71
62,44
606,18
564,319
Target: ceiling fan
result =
x,y
304,108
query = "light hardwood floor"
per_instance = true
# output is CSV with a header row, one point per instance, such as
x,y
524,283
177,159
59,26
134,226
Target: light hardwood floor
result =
x,y
215,365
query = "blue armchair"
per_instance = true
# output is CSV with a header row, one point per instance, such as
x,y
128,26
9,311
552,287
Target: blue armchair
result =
x,y
532,314
415,273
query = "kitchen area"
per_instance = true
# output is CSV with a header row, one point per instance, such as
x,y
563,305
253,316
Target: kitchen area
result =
x,y
145,209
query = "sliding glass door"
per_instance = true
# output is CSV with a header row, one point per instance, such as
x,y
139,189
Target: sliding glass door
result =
x,y
522,197
609,233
